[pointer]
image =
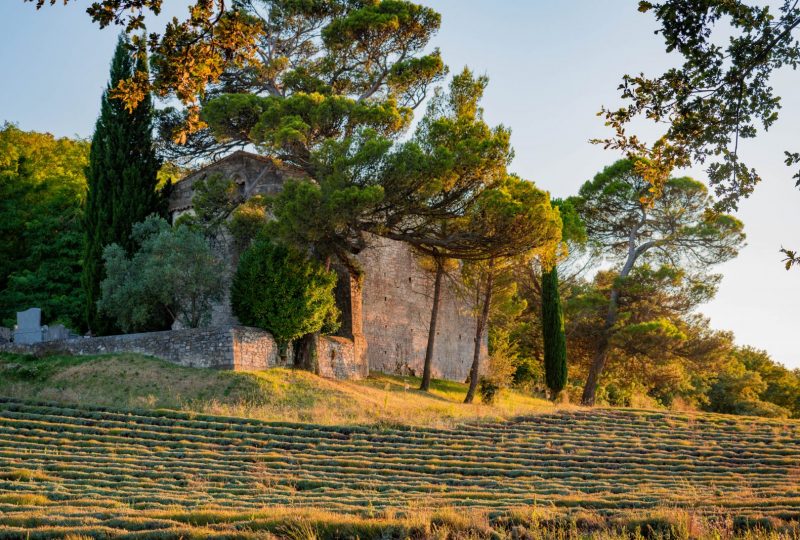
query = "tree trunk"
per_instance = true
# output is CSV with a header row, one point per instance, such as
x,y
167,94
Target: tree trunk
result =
x,y
596,369
283,353
483,318
601,354
437,293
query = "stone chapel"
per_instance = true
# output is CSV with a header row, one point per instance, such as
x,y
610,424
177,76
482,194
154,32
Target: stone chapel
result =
x,y
392,326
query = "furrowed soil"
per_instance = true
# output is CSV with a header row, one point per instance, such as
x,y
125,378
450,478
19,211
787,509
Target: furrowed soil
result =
x,y
86,471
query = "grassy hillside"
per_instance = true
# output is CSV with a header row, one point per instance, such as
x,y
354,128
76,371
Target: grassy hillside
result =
x,y
135,381
131,447
163,474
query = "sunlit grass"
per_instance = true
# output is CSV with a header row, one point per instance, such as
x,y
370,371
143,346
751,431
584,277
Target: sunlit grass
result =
x,y
274,394
368,459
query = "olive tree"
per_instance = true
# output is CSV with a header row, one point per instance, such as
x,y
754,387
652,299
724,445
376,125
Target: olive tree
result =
x,y
173,270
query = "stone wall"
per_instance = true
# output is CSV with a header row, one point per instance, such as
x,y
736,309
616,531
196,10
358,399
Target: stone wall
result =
x,y
337,360
253,349
253,175
396,303
398,295
238,348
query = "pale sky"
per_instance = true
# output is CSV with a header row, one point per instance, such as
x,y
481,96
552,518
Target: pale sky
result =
x,y
551,66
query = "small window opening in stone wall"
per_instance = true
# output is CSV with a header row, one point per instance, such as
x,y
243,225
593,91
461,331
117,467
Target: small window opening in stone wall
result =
x,y
333,354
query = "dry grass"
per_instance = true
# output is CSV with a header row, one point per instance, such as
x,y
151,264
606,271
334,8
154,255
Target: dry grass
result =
x,y
276,395
288,523
120,463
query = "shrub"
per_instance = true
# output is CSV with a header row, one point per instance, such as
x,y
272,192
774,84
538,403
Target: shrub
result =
x,y
503,358
24,499
248,221
284,292
173,271
488,389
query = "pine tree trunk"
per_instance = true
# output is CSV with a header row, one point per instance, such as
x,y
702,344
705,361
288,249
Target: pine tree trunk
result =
x,y
483,318
437,292
553,337
601,353
596,369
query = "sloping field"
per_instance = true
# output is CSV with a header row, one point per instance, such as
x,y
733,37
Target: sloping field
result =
x,y
277,394
104,472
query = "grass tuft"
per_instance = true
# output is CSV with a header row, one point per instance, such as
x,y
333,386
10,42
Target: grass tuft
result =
x,y
23,499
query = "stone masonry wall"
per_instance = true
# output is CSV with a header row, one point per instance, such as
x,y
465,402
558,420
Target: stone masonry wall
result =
x,y
238,348
195,347
253,349
397,292
398,295
337,360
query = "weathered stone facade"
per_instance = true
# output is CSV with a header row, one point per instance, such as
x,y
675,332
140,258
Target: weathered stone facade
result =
x,y
253,175
336,359
398,295
238,348
396,304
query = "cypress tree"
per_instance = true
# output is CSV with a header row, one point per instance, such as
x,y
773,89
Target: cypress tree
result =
x,y
121,178
555,342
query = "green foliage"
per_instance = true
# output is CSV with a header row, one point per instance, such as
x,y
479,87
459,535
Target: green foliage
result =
x,y
214,199
305,120
344,67
328,215
738,390
613,206
678,229
173,270
555,341
248,221
503,357
752,383
573,229
720,94
282,291
42,189
783,385
122,177
489,390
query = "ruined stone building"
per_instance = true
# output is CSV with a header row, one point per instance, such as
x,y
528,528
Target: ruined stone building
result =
x,y
395,310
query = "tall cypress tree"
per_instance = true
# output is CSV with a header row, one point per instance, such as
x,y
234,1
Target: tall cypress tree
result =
x,y
555,342
121,178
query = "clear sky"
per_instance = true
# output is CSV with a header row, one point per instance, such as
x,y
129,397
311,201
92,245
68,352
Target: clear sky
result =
x,y
551,66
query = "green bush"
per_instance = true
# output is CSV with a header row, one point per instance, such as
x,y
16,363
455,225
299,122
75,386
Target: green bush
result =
x,y
174,271
284,292
488,389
